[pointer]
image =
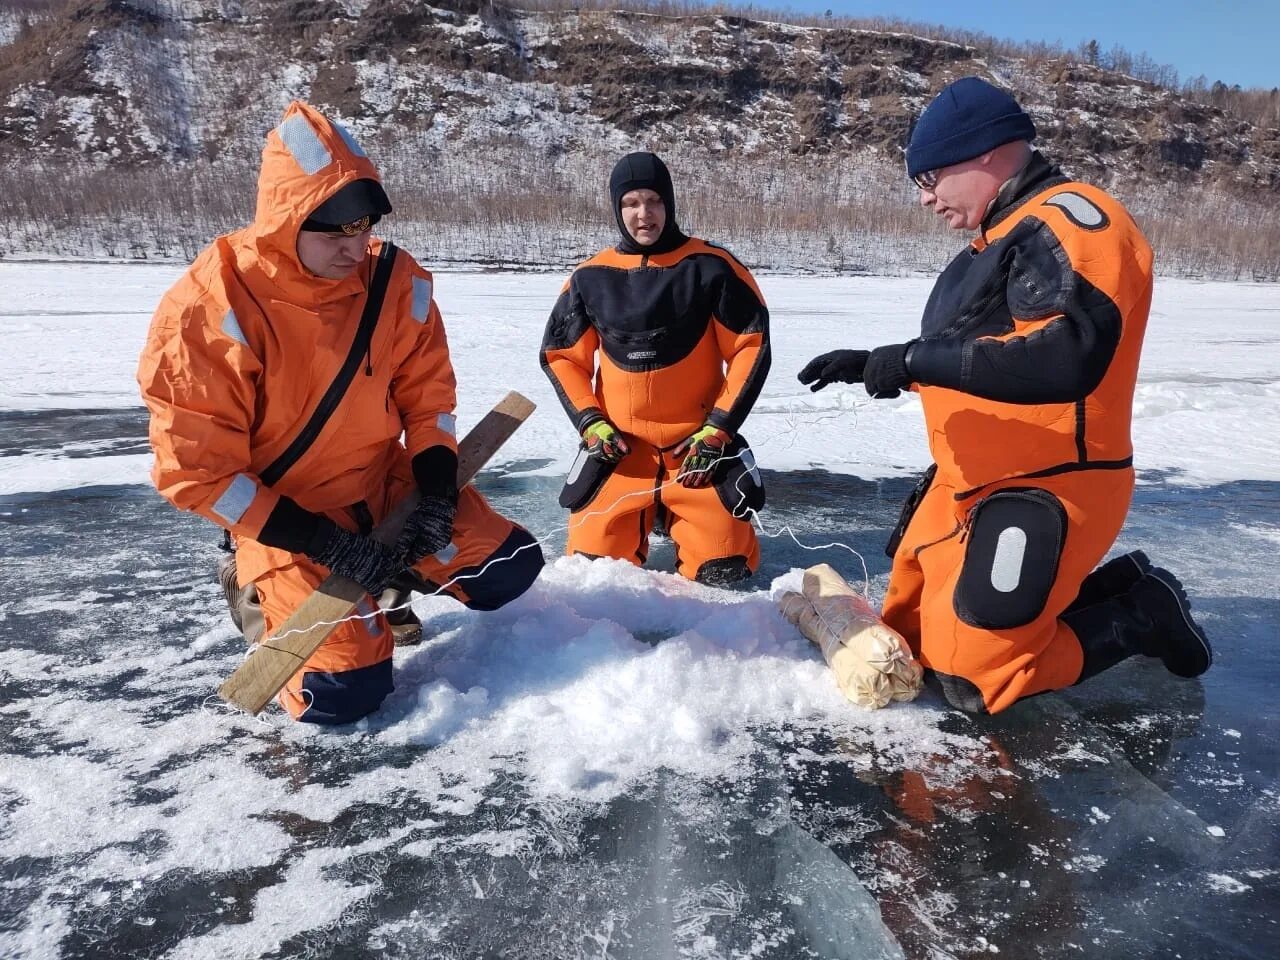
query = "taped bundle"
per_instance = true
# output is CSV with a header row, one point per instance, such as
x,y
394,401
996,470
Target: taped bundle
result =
x,y
872,663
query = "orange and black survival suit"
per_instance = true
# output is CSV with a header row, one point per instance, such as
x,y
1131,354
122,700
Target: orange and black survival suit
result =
x,y
294,411
1026,367
666,343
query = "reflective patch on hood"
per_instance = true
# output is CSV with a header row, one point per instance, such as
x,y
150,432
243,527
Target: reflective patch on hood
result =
x,y
352,144
304,145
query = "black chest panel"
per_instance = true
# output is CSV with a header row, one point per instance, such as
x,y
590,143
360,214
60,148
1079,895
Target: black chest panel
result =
x,y
970,298
651,317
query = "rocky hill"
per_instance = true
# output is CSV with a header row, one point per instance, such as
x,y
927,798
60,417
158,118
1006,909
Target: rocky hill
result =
x,y
149,86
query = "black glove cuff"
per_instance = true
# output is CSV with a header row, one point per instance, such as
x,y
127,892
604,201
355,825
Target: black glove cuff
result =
x,y
435,470
588,417
322,539
290,527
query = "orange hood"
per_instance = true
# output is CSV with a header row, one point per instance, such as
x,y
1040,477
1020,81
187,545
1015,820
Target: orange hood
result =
x,y
307,159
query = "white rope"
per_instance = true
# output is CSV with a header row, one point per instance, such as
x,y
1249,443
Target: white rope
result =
x,y
785,530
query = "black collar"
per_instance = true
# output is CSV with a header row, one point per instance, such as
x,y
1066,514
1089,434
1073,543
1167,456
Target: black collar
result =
x,y
1039,174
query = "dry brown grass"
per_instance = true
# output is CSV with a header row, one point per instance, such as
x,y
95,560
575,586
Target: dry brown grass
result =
x,y
783,212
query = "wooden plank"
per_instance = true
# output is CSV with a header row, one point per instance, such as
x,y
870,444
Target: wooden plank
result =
x,y
271,665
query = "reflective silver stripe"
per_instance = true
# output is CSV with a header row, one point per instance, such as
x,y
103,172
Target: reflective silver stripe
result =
x,y
301,141
1006,565
448,423
1081,209
348,139
236,498
749,461
579,462
370,619
231,327
421,299
447,554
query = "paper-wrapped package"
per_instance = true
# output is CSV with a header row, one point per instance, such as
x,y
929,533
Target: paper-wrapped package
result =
x,y
872,663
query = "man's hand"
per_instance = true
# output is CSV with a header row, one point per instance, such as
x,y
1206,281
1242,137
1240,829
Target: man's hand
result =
x,y
362,559
886,376
702,451
844,366
604,442
428,529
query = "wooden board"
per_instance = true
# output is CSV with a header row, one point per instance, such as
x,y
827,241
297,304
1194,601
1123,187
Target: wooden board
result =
x,y
271,665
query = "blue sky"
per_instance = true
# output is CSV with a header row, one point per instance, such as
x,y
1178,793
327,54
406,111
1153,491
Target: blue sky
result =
x,y
1235,42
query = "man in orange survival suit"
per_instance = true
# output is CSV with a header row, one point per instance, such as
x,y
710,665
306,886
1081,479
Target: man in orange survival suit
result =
x,y
1026,365
278,402
681,335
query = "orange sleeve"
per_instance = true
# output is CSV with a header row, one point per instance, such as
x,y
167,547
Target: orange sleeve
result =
x,y
198,378
424,388
742,334
568,358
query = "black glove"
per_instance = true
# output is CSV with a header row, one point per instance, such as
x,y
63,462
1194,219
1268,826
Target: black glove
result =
x,y
428,529
362,559
886,376
842,365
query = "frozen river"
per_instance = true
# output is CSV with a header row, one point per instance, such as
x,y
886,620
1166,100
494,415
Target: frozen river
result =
x,y
623,764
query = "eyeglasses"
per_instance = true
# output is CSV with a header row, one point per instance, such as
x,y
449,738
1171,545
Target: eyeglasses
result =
x,y
926,180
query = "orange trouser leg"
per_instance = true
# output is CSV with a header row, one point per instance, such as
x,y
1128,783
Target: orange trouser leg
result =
x,y
493,561
489,561
901,608
702,527
617,520
1009,663
350,675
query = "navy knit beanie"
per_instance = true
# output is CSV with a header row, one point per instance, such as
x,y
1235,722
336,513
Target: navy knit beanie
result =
x,y
968,118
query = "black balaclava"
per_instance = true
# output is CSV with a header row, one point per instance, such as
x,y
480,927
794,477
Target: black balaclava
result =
x,y
644,171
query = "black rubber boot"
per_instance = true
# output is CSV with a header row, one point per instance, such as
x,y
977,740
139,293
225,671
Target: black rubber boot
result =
x,y
1152,619
1112,579
406,628
242,602
230,588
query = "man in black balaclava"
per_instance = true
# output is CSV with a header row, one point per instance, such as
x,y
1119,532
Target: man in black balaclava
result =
x,y
681,335
645,171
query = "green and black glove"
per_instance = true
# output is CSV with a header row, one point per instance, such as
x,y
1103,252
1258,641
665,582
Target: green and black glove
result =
x,y
702,451
604,442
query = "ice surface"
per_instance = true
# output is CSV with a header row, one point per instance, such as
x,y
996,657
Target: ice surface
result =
x,y
621,763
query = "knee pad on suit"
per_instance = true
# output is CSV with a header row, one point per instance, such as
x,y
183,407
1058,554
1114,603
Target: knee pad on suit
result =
x,y
1015,541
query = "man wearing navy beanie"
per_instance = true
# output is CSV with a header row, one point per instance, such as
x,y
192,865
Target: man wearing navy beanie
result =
x,y
1026,365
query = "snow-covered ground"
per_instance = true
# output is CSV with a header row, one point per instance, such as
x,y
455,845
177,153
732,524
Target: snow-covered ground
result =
x,y
621,763
1207,408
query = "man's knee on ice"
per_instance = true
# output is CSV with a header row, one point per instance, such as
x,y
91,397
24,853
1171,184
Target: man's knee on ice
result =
x,y
345,696
1011,560
507,573
723,570
962,694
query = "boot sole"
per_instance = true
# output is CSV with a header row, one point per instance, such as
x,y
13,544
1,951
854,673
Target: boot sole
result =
x,y
1163,578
